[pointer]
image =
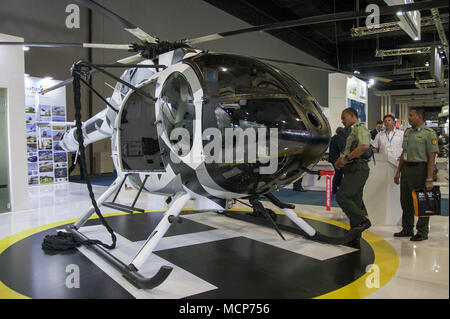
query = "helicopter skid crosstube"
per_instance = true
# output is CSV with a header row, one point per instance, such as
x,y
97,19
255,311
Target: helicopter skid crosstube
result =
x,y
303,229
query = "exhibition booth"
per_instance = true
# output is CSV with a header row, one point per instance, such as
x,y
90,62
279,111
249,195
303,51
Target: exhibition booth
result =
x,y
167,171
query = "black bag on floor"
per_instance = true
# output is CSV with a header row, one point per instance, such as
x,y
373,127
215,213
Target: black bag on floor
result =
x,y
63,241
427,203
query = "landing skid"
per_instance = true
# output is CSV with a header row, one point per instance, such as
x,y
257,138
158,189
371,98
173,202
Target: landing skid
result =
x,y
131,271
300,226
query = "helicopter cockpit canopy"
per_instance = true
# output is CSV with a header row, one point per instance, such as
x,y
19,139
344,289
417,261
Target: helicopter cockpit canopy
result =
x,y
252,93
240,92
177,108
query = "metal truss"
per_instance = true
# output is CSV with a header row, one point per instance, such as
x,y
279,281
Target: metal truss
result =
x,y
411,70
427,81
440,29
404,51
395,26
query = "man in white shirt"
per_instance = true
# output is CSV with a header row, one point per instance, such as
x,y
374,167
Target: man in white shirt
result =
x,y
390,140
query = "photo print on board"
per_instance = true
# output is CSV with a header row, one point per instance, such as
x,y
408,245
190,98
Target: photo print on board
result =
x,y
45,144
33,180
45,156
32,158
30,118
30,109
60,157
46,178
45,167
58,111
46,132
57,147
45,112
31,147
31,138
31,128
58,118
60,172
57,135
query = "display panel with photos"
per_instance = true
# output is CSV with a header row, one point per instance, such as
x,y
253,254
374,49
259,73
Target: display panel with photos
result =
x,y
47,161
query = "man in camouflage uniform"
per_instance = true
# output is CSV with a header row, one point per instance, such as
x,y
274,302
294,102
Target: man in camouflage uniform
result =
x,y
356,172
415,171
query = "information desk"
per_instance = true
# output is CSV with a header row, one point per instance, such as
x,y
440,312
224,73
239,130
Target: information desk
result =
x,y
381,194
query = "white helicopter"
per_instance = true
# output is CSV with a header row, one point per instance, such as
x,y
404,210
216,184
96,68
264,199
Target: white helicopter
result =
x,y
170,85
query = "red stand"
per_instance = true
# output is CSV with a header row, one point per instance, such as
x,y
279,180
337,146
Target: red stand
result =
x,y
328,174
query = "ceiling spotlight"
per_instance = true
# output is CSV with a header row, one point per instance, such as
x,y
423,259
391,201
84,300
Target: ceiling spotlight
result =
x,y
224,69
419,51
427,63
356,72
416,39
26,48
399,13
371,83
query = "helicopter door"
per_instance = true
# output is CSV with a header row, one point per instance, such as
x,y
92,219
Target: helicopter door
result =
x,y
139,146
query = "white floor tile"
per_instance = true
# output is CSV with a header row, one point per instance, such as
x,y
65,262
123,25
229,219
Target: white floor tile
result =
x,y
423,270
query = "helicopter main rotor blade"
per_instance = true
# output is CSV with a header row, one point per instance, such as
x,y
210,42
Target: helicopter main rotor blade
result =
x,y
128,26
127,47
326,18
57,86
309,66
131,59
326,69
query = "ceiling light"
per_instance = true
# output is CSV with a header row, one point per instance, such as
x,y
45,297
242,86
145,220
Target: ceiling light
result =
x,y
356,72
427,63
26,48
416,39
399,13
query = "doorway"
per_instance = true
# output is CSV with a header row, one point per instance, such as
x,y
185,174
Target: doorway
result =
x,y
5,203
139,145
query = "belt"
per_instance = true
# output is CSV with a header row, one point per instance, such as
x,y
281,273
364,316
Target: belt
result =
x,y
359,160
415,163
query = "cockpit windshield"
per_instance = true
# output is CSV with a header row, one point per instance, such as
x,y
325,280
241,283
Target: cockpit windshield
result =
x,y
228,75
264,112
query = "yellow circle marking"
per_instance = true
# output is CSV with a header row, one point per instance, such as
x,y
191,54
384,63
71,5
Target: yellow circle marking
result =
x,y
386,257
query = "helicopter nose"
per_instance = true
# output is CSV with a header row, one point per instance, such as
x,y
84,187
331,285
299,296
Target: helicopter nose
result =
x,y
296,141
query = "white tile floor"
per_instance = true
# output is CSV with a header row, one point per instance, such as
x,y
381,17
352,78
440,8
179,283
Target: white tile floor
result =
x,y
423,270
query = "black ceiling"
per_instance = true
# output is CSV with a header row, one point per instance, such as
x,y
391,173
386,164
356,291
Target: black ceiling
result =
x,y
333,42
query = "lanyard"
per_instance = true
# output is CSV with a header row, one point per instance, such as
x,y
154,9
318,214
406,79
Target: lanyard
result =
x,y
412,139
387,136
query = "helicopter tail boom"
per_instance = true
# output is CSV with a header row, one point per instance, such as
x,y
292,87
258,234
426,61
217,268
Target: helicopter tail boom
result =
x,y
95,129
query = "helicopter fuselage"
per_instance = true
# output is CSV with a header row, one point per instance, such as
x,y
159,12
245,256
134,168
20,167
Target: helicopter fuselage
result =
x,y
219,127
